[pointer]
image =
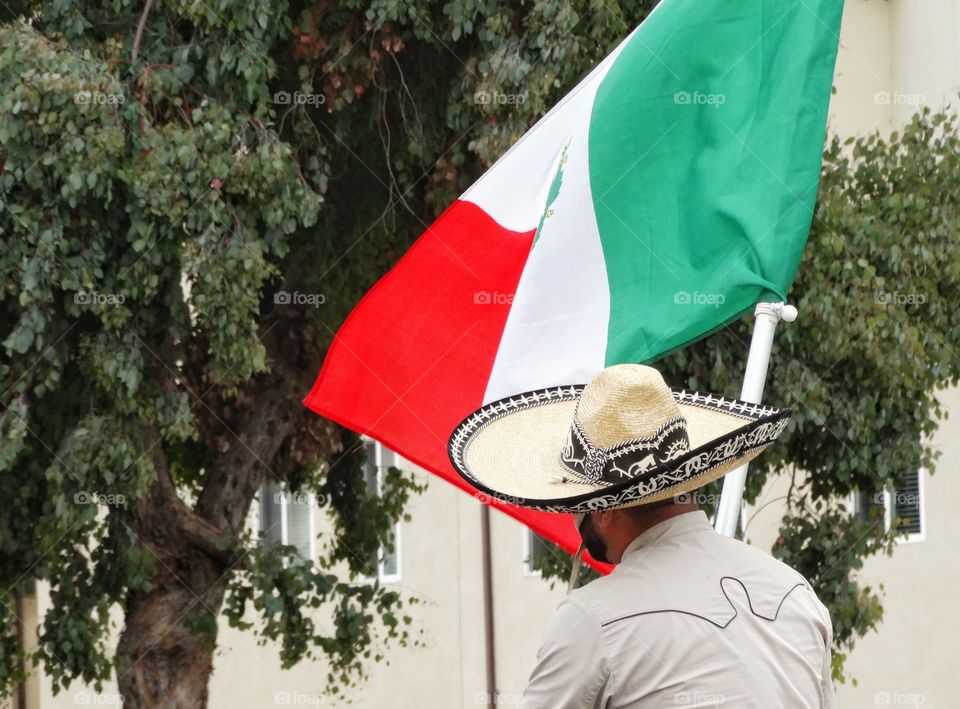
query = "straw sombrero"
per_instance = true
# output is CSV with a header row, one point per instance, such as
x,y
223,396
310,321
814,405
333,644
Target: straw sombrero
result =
x,y
622,440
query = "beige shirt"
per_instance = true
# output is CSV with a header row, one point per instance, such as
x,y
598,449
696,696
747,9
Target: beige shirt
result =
x,y
689,618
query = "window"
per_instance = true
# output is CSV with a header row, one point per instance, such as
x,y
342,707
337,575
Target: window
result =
x,y
902,506
287,518
867,504
534,549
386,560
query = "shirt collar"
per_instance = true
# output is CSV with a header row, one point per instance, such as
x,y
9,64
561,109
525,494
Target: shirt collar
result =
x,y
679,524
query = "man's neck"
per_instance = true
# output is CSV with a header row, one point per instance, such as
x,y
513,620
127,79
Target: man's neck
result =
x,y
651,517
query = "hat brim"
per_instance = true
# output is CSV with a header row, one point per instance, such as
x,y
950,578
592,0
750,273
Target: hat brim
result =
x,y
510,449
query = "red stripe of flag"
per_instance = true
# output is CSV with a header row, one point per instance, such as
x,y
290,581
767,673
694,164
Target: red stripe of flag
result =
x,y
414,357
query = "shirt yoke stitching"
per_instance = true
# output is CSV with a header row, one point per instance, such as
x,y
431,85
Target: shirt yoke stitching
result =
x,y
723,626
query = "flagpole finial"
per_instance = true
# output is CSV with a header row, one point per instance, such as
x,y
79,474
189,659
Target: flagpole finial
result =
x,y
777,311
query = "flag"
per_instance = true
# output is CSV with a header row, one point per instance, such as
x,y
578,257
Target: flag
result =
x,y
663,197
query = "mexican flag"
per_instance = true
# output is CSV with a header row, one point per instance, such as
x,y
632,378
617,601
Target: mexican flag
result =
x,y
663,197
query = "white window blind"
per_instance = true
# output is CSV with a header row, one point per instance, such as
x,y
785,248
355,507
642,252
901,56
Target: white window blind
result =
x,y
534,549
287,518
902,507
906,506
386,560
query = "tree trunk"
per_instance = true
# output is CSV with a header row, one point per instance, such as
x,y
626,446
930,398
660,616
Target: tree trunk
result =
x,y
165,655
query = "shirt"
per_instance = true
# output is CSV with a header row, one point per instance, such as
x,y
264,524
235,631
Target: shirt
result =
x,y
688,618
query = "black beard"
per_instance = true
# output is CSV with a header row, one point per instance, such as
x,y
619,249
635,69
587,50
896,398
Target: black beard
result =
x,y
592,541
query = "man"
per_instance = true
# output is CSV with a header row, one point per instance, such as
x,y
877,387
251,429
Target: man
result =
x,y
688,617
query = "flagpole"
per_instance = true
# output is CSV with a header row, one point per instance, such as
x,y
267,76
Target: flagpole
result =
x,y
491,656
767,315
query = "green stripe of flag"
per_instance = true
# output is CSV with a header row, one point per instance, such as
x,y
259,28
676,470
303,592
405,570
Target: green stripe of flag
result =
x,y
705,144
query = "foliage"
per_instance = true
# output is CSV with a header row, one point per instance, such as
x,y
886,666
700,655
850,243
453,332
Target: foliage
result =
x,y
182,236
284,593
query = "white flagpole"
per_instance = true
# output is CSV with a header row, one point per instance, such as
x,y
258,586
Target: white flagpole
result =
x,y
767,316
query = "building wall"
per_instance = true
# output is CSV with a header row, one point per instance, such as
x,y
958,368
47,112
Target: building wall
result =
x,y
864,70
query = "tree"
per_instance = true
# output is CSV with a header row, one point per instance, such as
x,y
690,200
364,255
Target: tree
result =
x,y
193,196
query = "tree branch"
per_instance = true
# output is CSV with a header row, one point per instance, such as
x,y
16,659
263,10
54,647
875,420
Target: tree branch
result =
x,y
138,35
161,514
272,426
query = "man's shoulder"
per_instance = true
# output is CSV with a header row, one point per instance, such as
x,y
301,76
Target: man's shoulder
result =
x,y
693,577
717,554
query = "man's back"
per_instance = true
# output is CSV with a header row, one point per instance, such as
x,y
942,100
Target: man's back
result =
x,y
688,618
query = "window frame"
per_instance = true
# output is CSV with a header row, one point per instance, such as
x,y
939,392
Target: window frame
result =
x,y
382,575
528,570
311,501
909,537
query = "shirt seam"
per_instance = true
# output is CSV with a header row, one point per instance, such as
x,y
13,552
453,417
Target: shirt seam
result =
x,y
776,615
607,663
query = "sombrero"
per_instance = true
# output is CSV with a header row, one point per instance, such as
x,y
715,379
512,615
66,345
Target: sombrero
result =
x,y
624,439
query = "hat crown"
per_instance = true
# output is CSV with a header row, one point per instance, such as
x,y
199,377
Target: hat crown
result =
x,y
625,402
627,422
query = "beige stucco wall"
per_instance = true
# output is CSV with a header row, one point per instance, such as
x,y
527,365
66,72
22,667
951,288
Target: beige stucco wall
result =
x,y
863,70
925,49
